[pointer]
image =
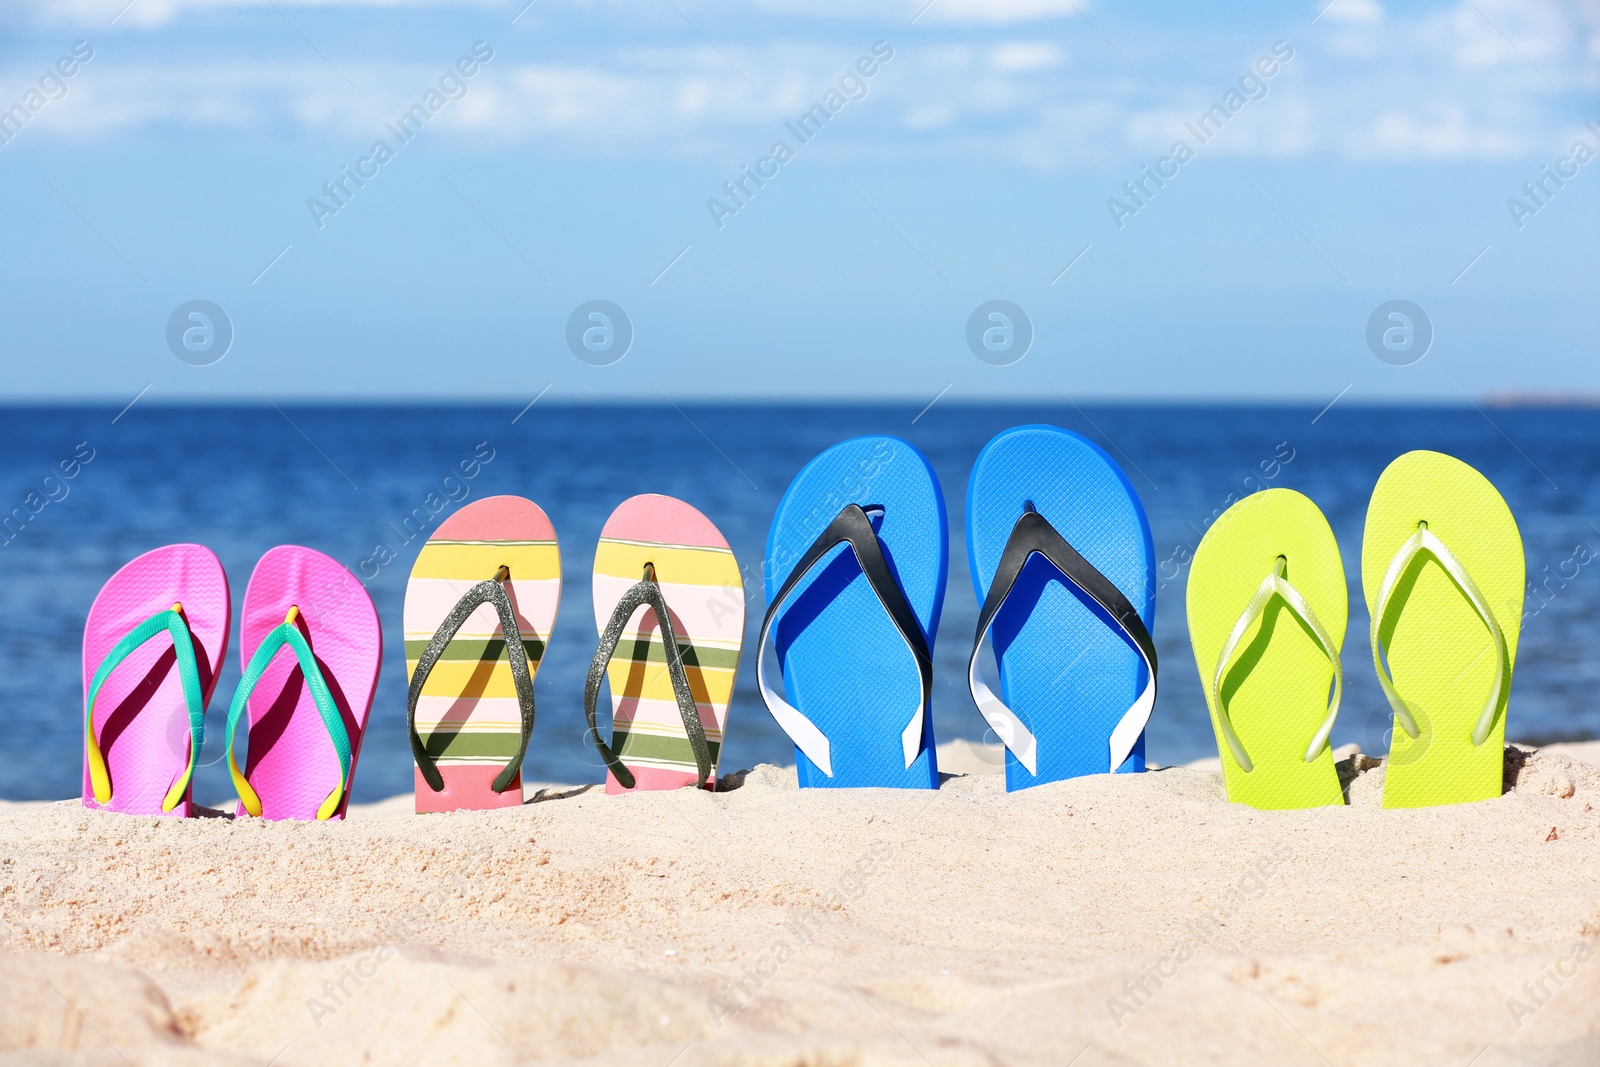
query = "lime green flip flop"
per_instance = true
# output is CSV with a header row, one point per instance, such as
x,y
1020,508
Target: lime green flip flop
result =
x,y
1267,608
1443,571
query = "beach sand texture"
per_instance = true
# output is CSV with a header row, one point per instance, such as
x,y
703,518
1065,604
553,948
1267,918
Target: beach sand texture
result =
x,y
1103,920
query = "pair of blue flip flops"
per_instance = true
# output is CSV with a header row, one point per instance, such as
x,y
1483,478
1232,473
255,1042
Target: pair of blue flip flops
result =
x,y
1064,569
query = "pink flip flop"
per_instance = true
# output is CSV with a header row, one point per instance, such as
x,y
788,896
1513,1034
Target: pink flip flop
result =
x,y
308,708
145,697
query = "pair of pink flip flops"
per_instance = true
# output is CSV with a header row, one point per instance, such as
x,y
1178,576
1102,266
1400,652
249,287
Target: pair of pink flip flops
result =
x,y
153,647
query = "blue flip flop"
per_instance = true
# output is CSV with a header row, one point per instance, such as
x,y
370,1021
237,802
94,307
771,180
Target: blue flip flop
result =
x,y
1063,565
856,566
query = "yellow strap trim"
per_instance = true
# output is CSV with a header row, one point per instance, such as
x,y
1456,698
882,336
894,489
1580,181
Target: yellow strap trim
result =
x,y
180,786
247,795
331,805
99,776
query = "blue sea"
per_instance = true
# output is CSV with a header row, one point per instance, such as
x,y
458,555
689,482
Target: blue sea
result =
x,y
342,479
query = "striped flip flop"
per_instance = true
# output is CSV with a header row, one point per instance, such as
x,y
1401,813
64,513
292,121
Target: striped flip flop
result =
x,y
668,596
479,608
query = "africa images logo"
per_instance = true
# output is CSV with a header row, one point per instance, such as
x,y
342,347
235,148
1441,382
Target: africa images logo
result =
x,y
852,85
1252,86
451,86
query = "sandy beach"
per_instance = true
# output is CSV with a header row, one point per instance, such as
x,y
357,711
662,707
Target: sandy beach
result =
x,y
1137,919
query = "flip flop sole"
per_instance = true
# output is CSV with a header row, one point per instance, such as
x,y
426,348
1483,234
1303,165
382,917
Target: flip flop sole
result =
x,y
1440,654
291,762
845,666
1065,670
141,720
704,591
1277,688
468,715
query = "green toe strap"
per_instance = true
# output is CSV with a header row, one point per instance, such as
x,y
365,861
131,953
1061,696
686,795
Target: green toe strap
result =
x,y
289,634
172,622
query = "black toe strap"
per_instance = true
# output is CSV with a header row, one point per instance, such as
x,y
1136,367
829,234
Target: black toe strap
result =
x,y
645,592
850,526
489,592
1034,534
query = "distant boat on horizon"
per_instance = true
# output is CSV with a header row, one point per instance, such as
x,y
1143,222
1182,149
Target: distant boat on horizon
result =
x,y
1550,399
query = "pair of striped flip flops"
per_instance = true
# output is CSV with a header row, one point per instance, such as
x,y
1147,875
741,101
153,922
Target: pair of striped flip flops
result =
x,y
153,645
479,609
1062,564
1442,569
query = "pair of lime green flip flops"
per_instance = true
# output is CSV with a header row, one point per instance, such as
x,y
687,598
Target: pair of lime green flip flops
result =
x,y
1443,572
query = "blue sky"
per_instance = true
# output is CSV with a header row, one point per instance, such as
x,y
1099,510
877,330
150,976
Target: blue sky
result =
x,y
984,157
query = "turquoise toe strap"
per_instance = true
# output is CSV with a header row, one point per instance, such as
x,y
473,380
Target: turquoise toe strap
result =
x,y
289,634
171,622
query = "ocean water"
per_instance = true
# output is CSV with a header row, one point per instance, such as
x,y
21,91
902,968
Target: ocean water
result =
x,y
341,480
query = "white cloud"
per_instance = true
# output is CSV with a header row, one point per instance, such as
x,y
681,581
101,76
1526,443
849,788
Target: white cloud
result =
x,y
902,12
890,13
1025,56
1445,134
1369,84
930,118
157,13
1361,12
1003,11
